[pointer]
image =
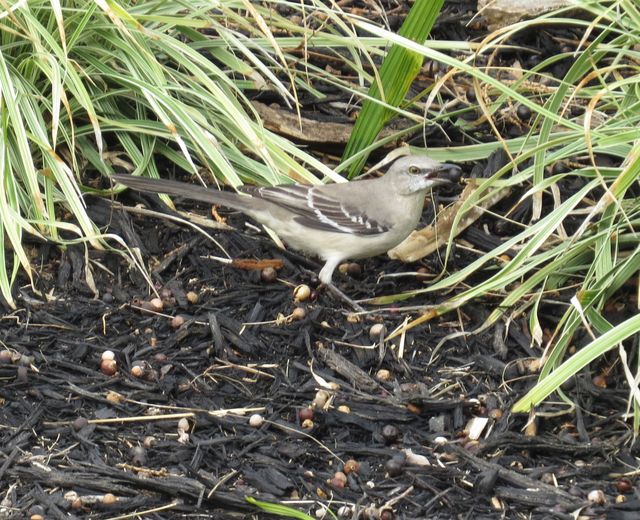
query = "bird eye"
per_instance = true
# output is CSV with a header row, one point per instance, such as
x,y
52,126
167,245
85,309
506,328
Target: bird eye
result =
x,y
414,170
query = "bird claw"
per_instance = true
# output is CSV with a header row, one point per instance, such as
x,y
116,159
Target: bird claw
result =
x,y
344,298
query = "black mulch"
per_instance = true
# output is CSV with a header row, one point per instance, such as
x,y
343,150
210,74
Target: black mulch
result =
x,y
72,434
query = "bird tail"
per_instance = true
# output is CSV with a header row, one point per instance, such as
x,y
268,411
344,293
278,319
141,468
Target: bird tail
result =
x,y
189,191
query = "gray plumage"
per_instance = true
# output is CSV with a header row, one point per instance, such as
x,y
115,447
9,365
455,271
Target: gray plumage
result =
x,y
335,222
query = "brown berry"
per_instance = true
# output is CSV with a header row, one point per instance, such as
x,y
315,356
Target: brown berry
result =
x,y
354,270
108,367
624,485
386,514
351,466
299,313
109,499
495,414
177,322
600,381
339,480
305,413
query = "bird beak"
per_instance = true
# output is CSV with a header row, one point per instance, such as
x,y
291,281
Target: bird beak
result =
x,y
447,174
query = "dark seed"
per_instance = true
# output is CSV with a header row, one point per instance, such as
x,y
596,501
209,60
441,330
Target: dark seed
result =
x,y
524,112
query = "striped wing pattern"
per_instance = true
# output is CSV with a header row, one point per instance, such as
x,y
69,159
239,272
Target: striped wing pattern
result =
x,y
317,210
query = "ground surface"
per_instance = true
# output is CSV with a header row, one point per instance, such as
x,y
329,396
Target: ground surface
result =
x,y
230,358
404,410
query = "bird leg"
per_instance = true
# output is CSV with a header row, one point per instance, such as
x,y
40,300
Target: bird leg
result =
x,y
337,293
343,297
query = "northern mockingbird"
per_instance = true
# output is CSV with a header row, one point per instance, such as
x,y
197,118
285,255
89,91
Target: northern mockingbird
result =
x,y
334,222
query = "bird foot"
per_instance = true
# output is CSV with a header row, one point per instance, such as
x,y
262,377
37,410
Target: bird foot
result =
x,y
343,297
337,293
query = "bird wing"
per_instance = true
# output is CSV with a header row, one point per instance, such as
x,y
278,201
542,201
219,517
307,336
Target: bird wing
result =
x,y
318,209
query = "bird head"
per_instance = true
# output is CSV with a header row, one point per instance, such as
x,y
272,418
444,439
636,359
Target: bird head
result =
x,y
415,173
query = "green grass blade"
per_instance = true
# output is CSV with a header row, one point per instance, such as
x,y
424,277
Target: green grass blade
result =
x,y
397,72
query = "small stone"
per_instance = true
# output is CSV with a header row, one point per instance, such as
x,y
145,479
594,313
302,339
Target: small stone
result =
x,y
376,331
70,496
80,423
384,375
183,425
256,420
156,304
138,455
596,496
390,432
394,466
108,354
268,275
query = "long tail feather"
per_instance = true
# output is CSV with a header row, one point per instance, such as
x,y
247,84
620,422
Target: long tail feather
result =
x,y
182,189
